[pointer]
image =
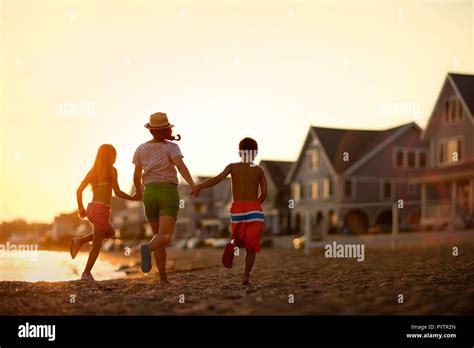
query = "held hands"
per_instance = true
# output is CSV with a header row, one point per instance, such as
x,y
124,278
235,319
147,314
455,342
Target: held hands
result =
x,y
195,190
82,212
137,196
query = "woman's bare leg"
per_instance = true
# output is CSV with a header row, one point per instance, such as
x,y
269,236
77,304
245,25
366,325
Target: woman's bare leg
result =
x,y
164,229
160,254
160,258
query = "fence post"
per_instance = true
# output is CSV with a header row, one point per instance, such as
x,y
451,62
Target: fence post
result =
x,y
394,219
307,233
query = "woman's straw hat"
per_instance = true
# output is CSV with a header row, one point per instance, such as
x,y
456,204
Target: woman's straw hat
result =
x,y
158,120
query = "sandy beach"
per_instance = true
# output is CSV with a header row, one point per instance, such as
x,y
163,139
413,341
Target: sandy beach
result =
x,y
431,279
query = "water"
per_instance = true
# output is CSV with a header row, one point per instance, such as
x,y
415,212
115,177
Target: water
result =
x,y
54,266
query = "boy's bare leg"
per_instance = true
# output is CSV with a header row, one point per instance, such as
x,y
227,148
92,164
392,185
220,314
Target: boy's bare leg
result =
x,y
249,261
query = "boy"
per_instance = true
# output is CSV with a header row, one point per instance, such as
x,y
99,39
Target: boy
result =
x,y
246,214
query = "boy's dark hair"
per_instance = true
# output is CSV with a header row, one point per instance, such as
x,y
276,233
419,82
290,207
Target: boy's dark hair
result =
x,y
248,144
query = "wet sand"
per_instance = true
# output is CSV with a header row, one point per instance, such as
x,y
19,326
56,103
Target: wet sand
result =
x,y
431,279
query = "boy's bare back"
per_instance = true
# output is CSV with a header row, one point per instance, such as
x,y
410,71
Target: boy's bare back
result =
x,y
246,178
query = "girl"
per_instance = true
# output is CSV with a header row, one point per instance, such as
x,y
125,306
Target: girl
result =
x,y
103,179
155,164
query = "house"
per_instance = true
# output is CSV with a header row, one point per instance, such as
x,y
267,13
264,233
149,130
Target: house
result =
x,y
447,185
347,180
276,206
203,216
128,219
65,226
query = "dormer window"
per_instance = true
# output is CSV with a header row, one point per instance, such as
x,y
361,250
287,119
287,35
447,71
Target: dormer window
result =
x,y
453,110
450,151
312,159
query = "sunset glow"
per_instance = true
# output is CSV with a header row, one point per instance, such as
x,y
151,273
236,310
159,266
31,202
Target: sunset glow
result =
x,y
79,74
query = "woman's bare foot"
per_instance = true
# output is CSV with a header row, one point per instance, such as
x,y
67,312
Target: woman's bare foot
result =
x,y
245,280
164,281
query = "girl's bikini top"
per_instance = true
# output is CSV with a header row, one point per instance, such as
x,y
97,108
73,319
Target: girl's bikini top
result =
x,y
102,184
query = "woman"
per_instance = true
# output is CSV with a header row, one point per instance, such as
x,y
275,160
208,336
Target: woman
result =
x,y
155,165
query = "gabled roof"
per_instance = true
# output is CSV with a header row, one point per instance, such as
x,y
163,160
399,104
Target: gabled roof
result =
x,y
354,141
361,144
464,85
277,171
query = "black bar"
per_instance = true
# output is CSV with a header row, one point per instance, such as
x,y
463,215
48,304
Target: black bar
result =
x,y
288,330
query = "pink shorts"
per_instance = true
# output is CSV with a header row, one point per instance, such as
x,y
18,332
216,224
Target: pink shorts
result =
x,y
99,215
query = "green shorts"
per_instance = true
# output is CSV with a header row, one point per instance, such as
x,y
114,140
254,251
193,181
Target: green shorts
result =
x,y
160,199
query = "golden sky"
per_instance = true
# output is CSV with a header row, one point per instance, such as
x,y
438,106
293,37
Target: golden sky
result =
x,y
76,74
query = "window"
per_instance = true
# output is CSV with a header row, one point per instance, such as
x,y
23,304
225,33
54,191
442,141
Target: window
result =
x,y
442,153
348,188
422,159
312,158
411,160
314,191
296,191
199,208
328,188
450,151
459,149
387,190
399,158
453,110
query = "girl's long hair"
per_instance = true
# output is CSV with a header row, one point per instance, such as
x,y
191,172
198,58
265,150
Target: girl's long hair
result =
x,y
103,164
164,134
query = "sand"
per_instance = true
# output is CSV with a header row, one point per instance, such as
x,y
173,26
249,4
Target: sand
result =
x,y
431,279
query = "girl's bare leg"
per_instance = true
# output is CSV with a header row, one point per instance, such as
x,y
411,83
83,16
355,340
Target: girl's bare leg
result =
x,y
163,230
86,239
94,253
249,261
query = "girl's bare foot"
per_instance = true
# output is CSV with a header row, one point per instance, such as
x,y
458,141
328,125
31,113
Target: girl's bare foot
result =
x,y
164,281
87,277
75,246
